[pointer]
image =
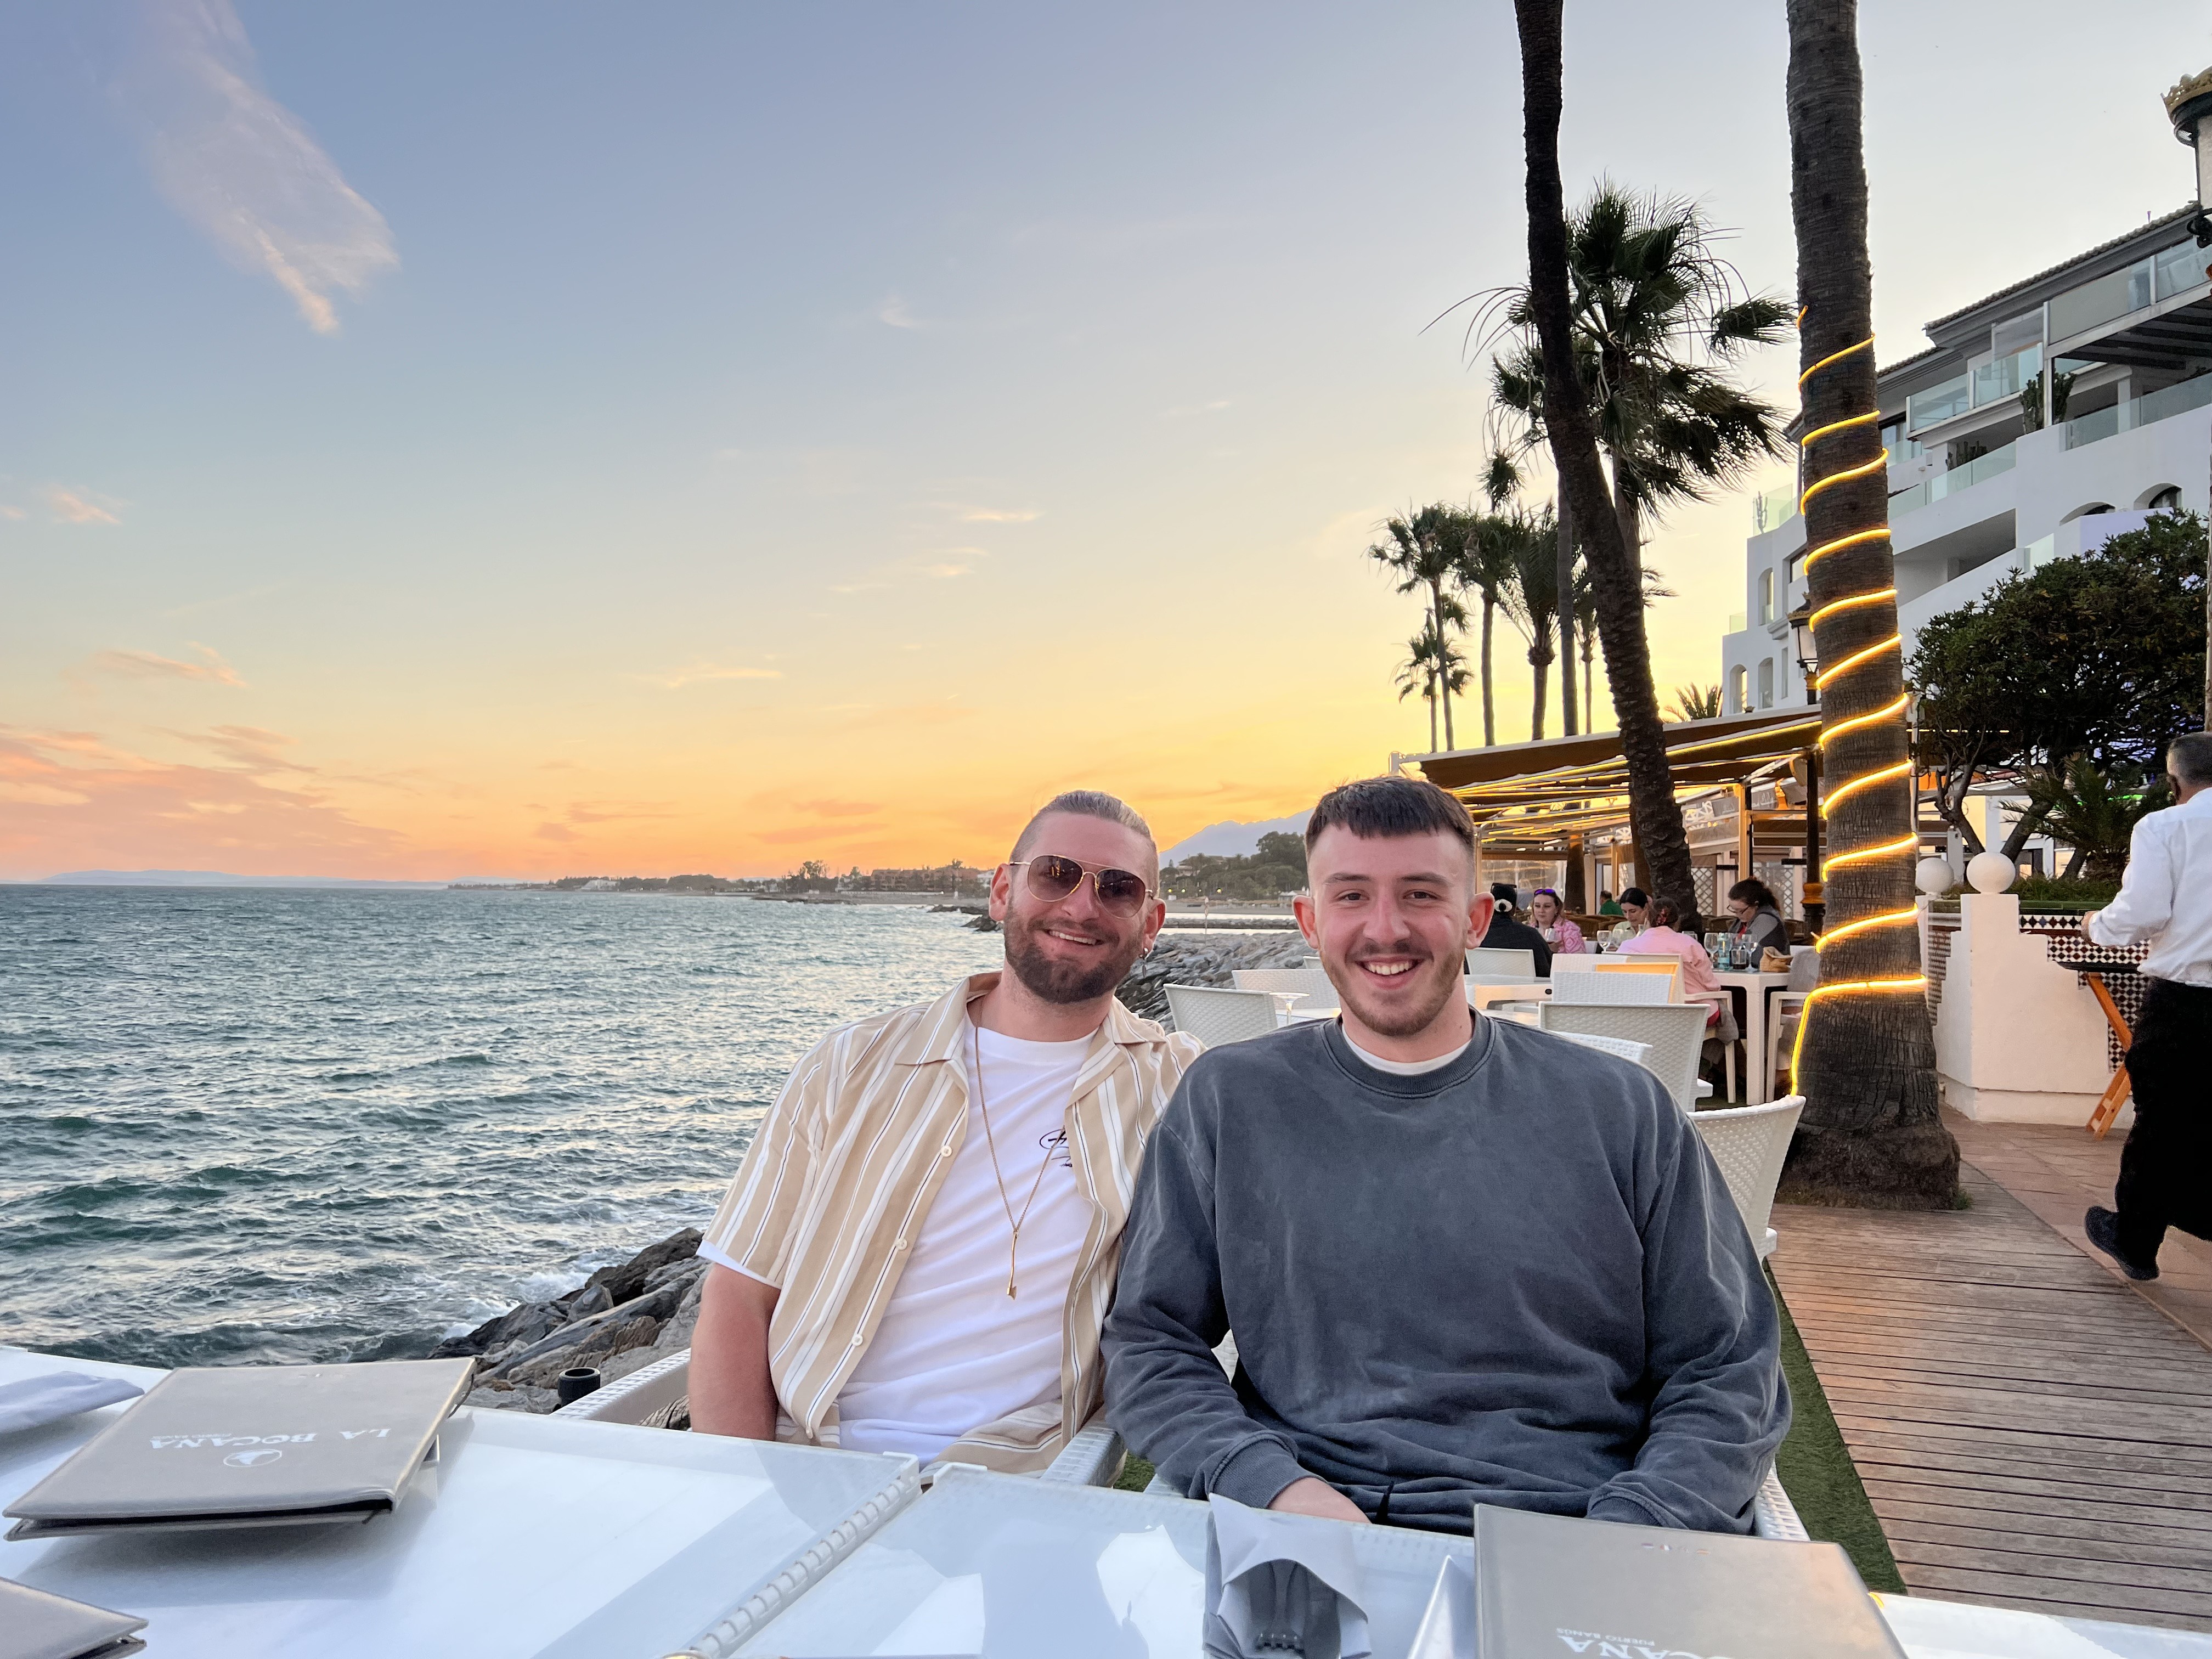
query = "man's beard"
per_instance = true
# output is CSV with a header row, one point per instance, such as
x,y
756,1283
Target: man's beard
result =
x,y
1404,1019
1062,982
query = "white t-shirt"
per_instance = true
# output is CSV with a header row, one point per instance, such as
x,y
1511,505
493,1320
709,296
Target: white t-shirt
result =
x,y
1407,1067
953,1351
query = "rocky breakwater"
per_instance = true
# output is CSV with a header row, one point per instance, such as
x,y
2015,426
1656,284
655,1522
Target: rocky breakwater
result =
x,y
1179,958
620,1320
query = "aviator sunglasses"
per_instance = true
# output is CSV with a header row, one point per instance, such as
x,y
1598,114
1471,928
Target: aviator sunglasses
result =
x,y
1052,878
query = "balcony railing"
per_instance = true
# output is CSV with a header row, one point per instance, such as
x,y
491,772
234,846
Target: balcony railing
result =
x,y
1938,403
1772,508
2154,406
1950,484
2161,277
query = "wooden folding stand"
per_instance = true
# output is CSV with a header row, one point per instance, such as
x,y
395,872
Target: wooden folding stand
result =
x,y
2116,1091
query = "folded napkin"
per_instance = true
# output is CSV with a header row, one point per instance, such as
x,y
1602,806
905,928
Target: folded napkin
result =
x,y
48,1399
1279,1585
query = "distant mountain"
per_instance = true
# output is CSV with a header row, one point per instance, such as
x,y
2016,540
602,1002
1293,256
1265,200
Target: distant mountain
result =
x,y
1230,840
210,878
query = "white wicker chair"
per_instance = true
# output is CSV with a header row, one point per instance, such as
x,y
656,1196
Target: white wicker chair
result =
x,y
1614,989
1500,967
1783,1010
1579,962
1749,1143
1620,1047
1215,1017
1674,1032
1310,981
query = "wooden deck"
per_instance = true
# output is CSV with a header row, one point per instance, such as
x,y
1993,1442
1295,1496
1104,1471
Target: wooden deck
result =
x,y
2031,1431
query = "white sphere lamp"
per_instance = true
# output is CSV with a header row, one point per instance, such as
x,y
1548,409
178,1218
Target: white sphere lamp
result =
x,y
1933,877
1990,872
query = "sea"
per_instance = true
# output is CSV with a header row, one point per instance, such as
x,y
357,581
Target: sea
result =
x,y
274,1126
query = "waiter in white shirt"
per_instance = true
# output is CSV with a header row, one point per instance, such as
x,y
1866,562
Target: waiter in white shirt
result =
x,y
2165,899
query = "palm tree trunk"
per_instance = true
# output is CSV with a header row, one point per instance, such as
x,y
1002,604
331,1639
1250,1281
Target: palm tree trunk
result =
x,y
1541,662
1589,686
1489,707
1870,1133
1616,585
1631,526
1432,714
1444,681
1566,620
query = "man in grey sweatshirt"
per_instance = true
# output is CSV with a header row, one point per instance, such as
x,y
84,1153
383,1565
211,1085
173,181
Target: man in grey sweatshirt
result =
x,y
1465,1262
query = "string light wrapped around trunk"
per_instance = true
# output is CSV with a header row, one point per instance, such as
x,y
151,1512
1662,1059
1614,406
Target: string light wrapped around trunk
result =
x,y
1873,777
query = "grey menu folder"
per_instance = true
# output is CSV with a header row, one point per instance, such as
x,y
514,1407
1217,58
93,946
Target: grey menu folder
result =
x,y
35,1625
252,1446
1552,1586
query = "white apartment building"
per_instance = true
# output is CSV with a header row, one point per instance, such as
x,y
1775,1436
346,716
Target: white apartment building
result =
x,y
1985,481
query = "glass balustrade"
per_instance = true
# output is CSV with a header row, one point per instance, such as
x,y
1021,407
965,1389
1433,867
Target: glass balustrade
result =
x,y
1978,469
1938,403
2004,378
1772,508
2146,410
2180,268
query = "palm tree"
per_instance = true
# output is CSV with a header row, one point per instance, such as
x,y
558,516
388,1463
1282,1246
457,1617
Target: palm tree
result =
x,y
1696,702
1433,665
1531,542
1867,1058
1486,569
1571,432
1421,553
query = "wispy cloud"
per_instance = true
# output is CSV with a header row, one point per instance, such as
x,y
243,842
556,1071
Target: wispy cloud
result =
x,y
998,514
838,809
704,672
893,314
244,170
942,564
7,512
248,748
70,507
146,666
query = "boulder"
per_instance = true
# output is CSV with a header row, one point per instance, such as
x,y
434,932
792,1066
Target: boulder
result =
x,y
627,1278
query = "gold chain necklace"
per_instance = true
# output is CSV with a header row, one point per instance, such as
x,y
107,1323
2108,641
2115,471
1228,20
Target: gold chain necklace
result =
x,y
1013,1248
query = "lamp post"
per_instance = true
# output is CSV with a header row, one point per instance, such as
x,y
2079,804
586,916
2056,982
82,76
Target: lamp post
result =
x,y
1807,652
2189,106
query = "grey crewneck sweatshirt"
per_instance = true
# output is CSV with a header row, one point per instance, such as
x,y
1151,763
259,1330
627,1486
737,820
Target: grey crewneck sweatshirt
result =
x,y
1516,1280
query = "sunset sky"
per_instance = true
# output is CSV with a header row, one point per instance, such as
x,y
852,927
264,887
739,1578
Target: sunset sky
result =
x,y
527,441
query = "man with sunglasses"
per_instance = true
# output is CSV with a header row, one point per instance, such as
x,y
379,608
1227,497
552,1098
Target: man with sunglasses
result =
x,y
1465,1262
919,1250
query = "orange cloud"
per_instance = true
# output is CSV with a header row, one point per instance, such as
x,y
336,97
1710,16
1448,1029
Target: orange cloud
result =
x,y
69,790
70,508
837,809
145,664
701,673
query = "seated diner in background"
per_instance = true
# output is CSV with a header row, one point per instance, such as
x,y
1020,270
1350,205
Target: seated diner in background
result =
x,y
1507,933
919,1250
1757,915
1636,907
1553,926
1664,936
1465,1262
1607,904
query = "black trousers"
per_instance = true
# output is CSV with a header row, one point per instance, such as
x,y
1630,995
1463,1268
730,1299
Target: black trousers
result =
x,y
2165,1169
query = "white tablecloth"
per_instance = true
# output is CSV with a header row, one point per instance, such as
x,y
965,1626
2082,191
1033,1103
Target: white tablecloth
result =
x,y
530,1536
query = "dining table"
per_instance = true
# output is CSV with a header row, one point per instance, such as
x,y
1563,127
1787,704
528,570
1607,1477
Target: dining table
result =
x,y
1759,1065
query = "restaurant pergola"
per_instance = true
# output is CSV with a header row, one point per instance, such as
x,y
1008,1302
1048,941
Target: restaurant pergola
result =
x,y
1742,781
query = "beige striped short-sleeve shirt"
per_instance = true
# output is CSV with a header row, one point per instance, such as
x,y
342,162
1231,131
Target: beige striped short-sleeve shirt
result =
x,y
838,1182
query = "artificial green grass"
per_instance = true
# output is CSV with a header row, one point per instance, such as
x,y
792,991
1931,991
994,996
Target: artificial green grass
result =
x,y
1816,1469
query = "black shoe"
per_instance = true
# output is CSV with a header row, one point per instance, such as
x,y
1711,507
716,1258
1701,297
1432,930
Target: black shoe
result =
x,y
2102,1227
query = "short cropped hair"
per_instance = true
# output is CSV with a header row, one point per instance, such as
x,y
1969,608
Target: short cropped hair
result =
x,y
2189,757
1391,805
1089,803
